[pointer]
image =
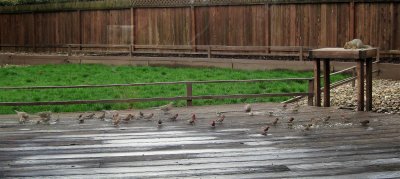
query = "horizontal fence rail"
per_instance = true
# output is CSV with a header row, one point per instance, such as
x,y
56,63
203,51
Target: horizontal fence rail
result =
x,y
189,91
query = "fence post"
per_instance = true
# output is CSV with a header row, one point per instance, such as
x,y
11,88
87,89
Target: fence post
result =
x,y
311,92
189,91
209,52
301,53
69,49
130,50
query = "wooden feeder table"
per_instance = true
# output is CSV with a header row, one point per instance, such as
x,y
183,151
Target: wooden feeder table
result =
x,y
358,55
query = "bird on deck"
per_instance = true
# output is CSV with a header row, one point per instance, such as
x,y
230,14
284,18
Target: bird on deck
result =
x,y
213,124
23,116
265,131
45,117
364,122
192,121
102,116
275,122
128,118
81,119
149,116
221,119
141,114
116,119
296,108
174,117
271,113
307,127
284,106
166,108
247,108
159,123
326,119
291,120
90,116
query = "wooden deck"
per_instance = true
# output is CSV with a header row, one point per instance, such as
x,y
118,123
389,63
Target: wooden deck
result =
x,y
234,149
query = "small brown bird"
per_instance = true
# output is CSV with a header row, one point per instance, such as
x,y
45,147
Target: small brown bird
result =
x,y
307,127
284,106
23,116
291,120
128,118
174,118
326,119
167,107
159,123
275,121
80,119
149,116
192,121
221,119
247,108
141,115
271,113
45,117
364,122
116,119
213,124
90,116
265,131
102,116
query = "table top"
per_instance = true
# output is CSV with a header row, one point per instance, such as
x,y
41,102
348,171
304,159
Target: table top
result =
x,y
335,53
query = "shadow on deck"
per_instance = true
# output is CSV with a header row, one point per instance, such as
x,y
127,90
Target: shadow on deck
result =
x,y
233,149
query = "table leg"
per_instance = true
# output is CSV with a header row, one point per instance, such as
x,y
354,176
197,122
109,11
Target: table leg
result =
x,y
360,85
368,88
327,83
317,82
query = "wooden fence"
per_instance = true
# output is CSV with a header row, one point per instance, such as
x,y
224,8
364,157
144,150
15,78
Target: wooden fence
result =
x,y
259,23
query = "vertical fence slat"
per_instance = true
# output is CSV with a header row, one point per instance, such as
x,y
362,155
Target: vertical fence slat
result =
x,y
189,93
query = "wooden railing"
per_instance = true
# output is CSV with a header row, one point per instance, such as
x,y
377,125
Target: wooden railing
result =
x,y
189,91
206,50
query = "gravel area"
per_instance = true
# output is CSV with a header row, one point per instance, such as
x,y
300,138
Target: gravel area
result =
x,y
385,96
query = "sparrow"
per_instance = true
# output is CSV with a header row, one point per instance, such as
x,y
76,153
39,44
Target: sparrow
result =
x,y
291,120
307,127
45,116
221,119
90,116
167,107
23,116
326,119
102,116
265,131
149,116
213,124
271,113
81,119
141,115
247,108
192,120
284,106
174,118
159,124
116,119
128,118
364,122
275,121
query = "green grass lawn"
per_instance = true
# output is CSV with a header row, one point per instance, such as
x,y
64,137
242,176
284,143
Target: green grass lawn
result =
x,y
75,74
